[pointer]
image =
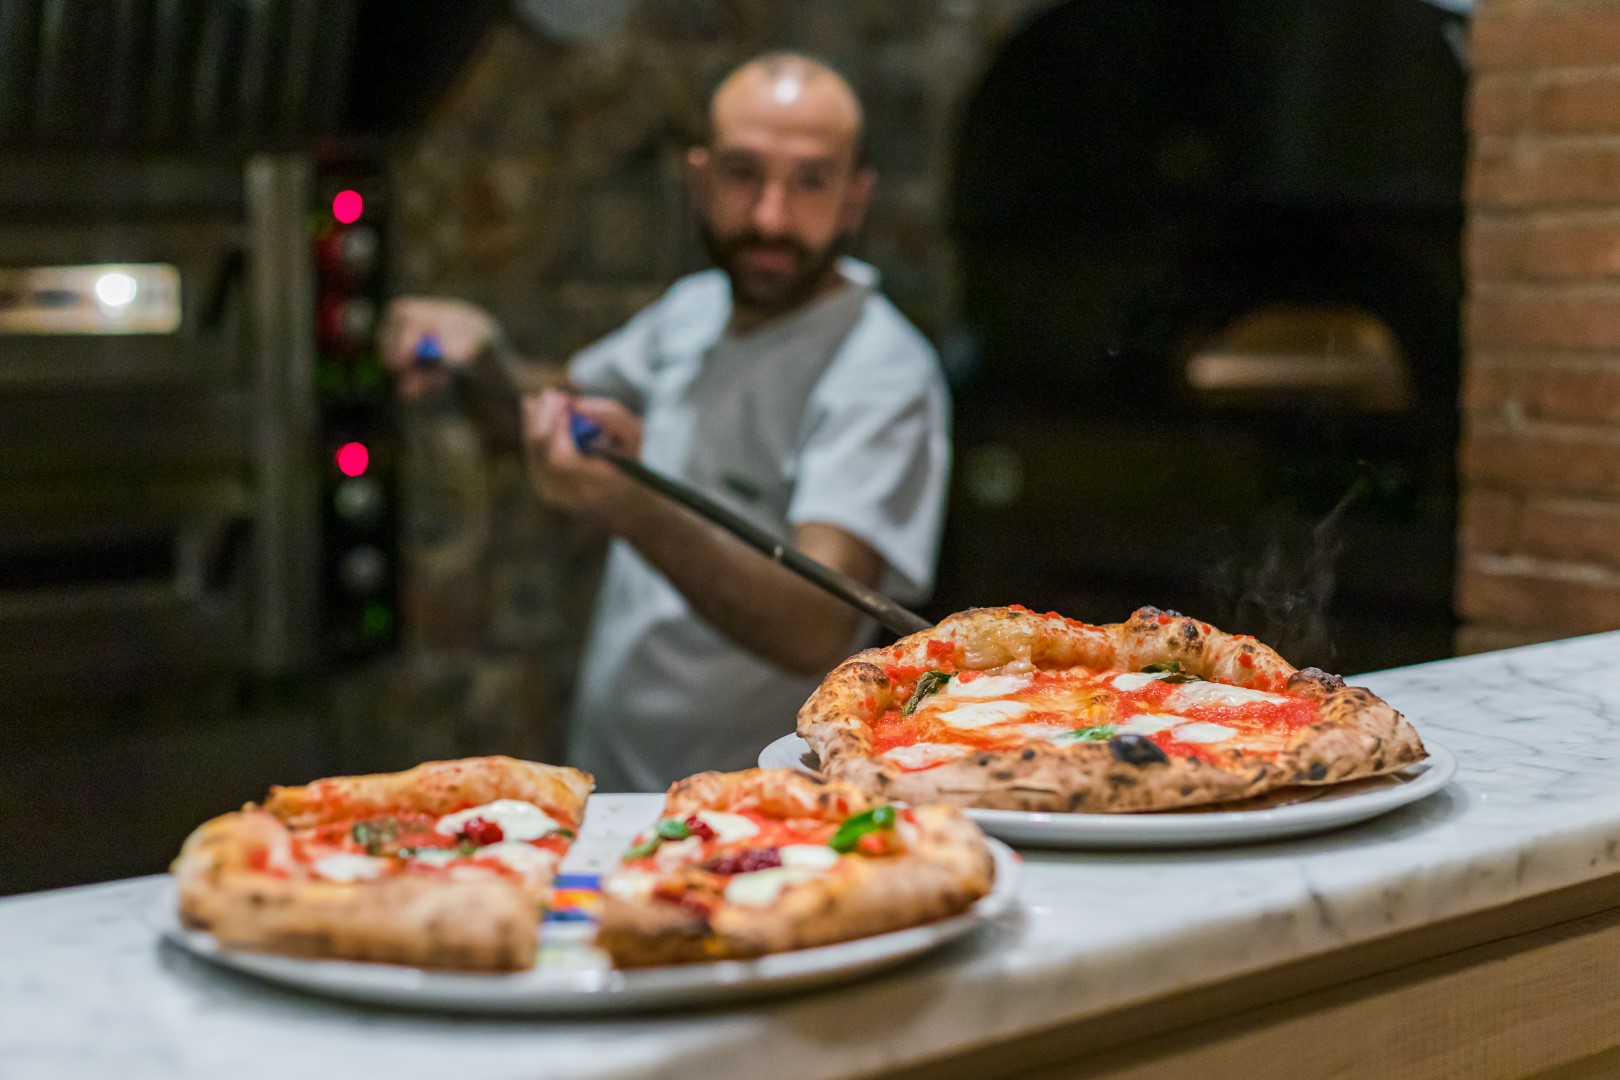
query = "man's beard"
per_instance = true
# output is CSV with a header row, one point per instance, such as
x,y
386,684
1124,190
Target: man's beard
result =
x,y
771,294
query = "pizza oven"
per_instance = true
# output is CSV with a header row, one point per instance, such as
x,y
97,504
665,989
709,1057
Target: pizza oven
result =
x,y
1211,290
196,504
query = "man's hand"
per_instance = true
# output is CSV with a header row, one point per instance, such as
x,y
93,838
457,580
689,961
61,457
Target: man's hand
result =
x,y
462,331
565,478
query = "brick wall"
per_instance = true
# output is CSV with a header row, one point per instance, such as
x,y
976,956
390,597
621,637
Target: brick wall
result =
x,y
1540,458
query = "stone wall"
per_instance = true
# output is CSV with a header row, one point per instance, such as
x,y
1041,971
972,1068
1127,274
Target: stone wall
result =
x,y
547,187
1540,460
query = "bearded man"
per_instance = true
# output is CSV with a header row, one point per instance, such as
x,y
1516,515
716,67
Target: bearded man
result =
x,y
782,383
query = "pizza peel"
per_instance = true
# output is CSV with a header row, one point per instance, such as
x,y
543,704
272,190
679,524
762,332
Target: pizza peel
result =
x,y
589,437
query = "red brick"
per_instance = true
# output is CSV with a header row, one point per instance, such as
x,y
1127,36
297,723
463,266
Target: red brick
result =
x,y
1548,318
1585,103
1538,36
1579,462
1480,637
1551,247
1574,390
1488,521
1539,601
1572,531
1500,104
1520,173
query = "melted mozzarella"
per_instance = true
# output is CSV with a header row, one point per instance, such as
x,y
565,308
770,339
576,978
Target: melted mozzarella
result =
x,y
1190,695
1148,724
436,856
922,755
728,828
987,686
1135,680
1201,732
518,820
808,856
526,859
978,714
678,853
345,867
629,884
759,888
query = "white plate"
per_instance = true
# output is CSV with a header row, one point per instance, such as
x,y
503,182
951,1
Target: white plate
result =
x,y
1318,810
602,990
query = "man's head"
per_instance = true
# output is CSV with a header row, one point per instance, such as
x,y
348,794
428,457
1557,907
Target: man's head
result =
x,y
780,185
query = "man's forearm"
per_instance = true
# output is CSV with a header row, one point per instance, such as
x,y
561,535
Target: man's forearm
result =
x,y
757,603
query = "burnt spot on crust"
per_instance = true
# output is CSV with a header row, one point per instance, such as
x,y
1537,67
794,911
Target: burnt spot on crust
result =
x,y
1002,776
1077,800
1028,754
984,759
1317,770
1191,636
1136,750
1315,680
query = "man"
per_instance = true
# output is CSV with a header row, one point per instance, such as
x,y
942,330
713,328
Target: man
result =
x,y
782,383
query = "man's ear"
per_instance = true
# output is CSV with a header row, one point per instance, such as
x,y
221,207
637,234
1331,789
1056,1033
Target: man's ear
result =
x,y
861,187
697,175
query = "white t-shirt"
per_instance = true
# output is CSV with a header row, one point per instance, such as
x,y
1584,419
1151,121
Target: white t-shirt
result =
x,y
838,414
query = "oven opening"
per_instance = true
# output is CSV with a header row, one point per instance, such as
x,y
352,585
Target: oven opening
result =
x,y
128,559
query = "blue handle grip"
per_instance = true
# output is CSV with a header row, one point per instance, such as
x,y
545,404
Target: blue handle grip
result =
x,y
587,433
429,353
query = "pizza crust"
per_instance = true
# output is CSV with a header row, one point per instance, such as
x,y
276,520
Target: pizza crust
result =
x,y
1357,734
488,924
947,868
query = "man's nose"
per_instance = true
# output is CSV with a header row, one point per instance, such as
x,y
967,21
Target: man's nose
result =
x,y
770,210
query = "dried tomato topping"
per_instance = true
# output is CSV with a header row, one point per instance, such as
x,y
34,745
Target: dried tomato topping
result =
x,y
699,828
940,650
482,832
745,861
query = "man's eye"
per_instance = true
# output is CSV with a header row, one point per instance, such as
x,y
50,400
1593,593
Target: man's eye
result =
x,y
739,172
813,181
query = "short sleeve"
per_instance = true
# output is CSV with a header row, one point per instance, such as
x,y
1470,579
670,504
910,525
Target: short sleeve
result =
x,y
619,366
875,457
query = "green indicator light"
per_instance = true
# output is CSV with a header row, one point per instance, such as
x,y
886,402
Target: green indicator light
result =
x,y
376,620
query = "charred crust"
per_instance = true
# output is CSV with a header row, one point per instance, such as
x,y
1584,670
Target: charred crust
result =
x,y
1137,750
1003,776
1028,754
1317,770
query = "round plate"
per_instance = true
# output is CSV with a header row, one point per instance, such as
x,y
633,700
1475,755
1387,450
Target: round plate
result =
x,y
578,990
1292,812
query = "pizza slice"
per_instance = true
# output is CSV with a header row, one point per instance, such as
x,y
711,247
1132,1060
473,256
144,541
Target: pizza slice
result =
x,y
447,865
768,860
1004,708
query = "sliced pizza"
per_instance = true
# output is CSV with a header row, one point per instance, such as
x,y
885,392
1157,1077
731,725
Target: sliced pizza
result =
x,y
1004,708
447,865
768,860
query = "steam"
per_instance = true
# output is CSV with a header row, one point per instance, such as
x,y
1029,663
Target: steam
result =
x,y
1283,598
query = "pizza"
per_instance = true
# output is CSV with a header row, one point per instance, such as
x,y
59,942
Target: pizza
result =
x,y
1005,708
447,865
763,861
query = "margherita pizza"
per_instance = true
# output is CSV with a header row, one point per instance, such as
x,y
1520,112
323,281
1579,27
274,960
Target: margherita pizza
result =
x,y
447,865
1008,709
763,861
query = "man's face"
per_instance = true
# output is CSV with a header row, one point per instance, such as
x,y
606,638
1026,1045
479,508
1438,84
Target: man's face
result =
x,y
777,194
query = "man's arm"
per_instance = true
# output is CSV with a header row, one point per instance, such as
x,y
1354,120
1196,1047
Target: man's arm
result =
x,y
762,606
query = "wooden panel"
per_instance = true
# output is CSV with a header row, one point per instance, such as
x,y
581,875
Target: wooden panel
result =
x,y
1543,991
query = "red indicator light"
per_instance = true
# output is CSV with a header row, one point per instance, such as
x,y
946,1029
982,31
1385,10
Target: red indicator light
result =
x,y
347,205
352,458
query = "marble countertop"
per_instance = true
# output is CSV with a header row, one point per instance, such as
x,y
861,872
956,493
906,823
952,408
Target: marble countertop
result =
x,y
86,990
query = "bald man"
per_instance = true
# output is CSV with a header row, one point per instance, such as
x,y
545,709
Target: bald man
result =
x,y
782,383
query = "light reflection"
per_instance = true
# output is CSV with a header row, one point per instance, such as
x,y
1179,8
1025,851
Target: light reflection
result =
x,y
116,289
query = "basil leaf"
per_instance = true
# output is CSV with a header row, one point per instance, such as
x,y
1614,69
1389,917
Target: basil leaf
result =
x,y
645,848
1100,733
858,825
372,835
566,834
929,682
673,829
1177,673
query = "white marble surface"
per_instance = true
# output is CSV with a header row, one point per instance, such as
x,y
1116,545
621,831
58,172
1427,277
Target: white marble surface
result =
x,y
86,990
